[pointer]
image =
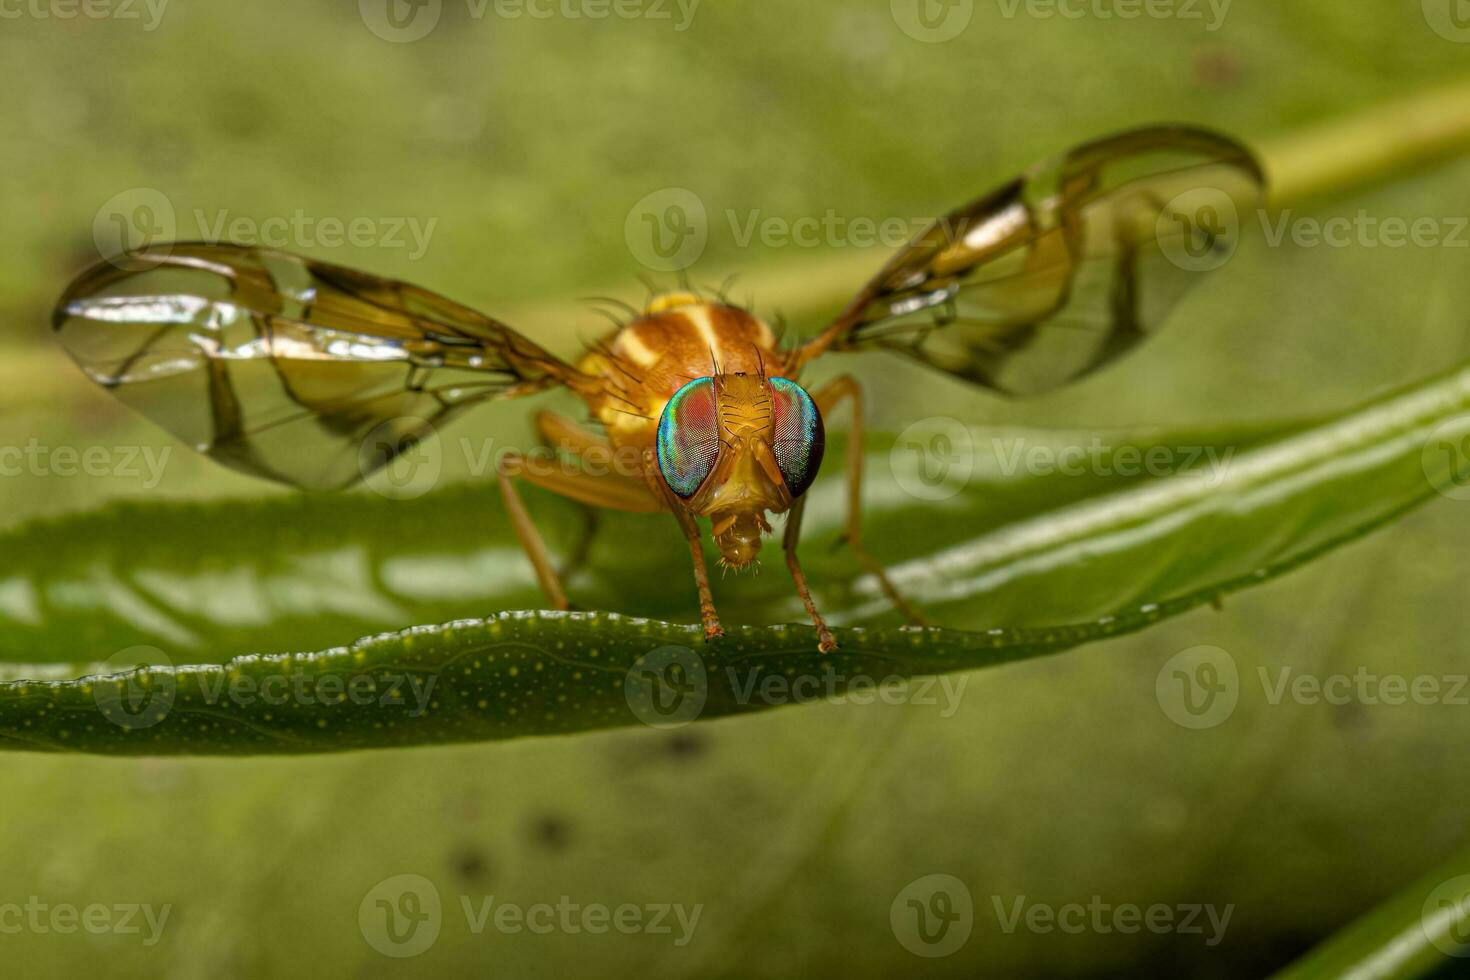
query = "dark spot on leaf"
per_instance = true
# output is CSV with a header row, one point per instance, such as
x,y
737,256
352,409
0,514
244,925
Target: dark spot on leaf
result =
x,y
686,745
470,864
551,832
1216,68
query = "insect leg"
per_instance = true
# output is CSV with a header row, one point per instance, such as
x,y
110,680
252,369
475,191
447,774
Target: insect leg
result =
x,y
561,433
825,641
712,627
827,398
614,493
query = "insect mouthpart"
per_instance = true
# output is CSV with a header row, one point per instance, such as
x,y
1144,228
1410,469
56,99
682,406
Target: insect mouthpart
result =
x,y
739,538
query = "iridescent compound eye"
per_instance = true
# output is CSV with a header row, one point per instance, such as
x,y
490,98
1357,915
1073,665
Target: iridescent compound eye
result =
x,y
800,437
689,437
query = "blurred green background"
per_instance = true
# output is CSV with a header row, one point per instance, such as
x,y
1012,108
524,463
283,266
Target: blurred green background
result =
x,y
527,141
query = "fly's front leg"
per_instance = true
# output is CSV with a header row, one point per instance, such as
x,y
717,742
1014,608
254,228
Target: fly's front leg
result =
x,y
562,434
610,491
827,398
825,641
712,627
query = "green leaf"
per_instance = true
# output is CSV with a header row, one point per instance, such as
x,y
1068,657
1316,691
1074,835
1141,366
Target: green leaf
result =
x,y
1417,932
1076,537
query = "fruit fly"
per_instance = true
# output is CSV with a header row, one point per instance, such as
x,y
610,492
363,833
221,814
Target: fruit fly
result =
x,y
282,366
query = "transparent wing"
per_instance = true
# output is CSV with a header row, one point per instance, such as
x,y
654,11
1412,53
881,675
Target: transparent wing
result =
x,y
1064,268
295,370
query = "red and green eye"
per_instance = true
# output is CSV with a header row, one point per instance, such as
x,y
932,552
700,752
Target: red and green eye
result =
x,y
800,437
689,437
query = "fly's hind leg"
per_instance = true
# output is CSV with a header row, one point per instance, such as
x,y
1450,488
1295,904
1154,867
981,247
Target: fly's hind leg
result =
x,y
609,490
827,398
